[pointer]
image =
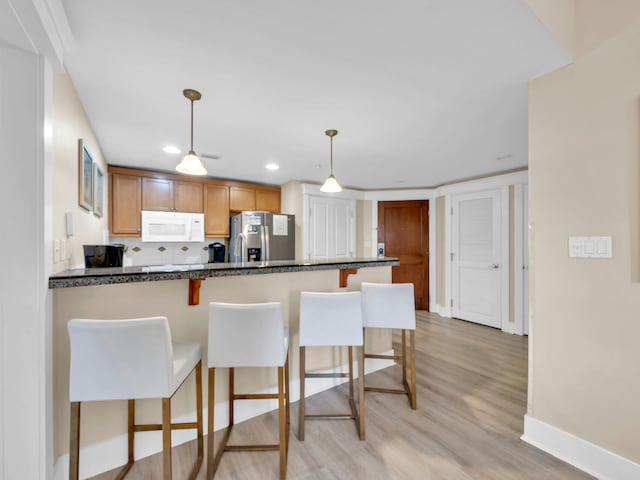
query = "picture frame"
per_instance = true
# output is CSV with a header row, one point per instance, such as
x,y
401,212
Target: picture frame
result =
x,y
85,177
98,190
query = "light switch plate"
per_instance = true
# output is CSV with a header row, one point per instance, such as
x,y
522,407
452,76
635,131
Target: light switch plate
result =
x,y
56,251
590,247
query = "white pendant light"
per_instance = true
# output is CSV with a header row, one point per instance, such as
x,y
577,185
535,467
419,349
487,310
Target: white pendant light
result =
x,y
191,164
331,184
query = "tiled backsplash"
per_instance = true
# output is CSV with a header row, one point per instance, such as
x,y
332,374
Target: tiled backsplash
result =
x,y
138,252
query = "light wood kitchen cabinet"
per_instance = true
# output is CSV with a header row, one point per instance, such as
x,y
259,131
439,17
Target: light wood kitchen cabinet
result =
x,y
164,195
125,204
241,199
133,190
157,194
268,200
260,198
188,197
216,211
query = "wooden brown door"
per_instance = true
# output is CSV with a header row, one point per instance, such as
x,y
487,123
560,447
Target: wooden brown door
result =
x,y
403,227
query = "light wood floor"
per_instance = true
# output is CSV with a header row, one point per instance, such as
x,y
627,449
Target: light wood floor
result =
x,y
472,391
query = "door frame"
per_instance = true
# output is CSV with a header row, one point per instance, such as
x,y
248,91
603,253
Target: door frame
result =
x,y
520,257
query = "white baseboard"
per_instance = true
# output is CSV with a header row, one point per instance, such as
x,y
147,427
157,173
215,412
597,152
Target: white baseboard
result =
x,y
441,310
111,453
580,453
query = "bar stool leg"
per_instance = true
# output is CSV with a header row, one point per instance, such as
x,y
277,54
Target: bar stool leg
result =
x,y
404,357
166,438
361,392
414,374
287,399
281,423
74,441
210,410
132,422
198,464
231,394
301,403
351,397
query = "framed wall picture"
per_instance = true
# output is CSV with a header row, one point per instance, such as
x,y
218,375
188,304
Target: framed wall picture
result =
x,y
98,190
85,177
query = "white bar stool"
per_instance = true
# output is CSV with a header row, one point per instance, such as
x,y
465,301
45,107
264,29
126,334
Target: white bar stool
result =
x,y
129,360
248,335
391,305
332,319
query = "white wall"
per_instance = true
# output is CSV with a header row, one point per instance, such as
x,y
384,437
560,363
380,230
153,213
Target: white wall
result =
x,y
70,123
584,137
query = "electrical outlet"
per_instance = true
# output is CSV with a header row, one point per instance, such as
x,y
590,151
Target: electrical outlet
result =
x,y
56,251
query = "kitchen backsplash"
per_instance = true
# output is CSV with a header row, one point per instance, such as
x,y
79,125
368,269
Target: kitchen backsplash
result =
x,y
138,252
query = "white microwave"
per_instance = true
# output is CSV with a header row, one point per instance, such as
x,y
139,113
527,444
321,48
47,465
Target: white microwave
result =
x,y
172,227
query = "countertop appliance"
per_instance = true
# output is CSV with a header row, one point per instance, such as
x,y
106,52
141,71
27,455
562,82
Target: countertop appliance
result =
x,y
262,236
172,227
103,256
216,252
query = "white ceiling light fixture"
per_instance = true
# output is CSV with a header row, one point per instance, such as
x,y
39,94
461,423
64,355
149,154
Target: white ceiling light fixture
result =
x,y
331,184
191,164
272,166
171,149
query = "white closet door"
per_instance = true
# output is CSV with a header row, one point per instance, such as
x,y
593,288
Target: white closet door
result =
x,y
475,258
342,226
331,227
318,228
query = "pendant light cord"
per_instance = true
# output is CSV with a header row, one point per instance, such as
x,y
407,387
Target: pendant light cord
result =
x,y
191,126
331,155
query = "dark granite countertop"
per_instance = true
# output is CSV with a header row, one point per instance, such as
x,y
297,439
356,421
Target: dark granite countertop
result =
x,y
81,277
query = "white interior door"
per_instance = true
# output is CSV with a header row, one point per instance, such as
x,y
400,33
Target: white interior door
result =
x,y
475,258
331,224
318,228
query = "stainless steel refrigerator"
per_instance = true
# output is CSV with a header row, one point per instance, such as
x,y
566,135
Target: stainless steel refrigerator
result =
x,y
262,236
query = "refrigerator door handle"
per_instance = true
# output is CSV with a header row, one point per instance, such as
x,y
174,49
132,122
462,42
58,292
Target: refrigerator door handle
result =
x,y
264,243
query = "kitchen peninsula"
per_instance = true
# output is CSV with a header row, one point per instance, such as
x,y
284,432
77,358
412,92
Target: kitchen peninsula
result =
x,y
130,292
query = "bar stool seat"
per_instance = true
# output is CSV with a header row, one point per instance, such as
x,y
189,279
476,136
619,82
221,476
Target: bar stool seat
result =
x,y
130,360
332,319
392,305
248,335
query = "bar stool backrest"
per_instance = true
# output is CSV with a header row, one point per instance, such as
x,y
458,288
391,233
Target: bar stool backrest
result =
x,y
388,305
120,359
330,319
249,335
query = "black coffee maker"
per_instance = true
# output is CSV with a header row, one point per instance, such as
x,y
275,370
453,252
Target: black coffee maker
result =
x,y
216,252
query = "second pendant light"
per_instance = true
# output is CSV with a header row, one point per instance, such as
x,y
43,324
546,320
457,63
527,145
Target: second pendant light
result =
x,y
331,184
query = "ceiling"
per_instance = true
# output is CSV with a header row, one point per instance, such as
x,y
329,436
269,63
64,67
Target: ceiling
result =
x,y
11,31
422,92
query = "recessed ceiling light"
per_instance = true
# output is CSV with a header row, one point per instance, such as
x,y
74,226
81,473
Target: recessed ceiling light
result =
x,y
171,149
272,166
